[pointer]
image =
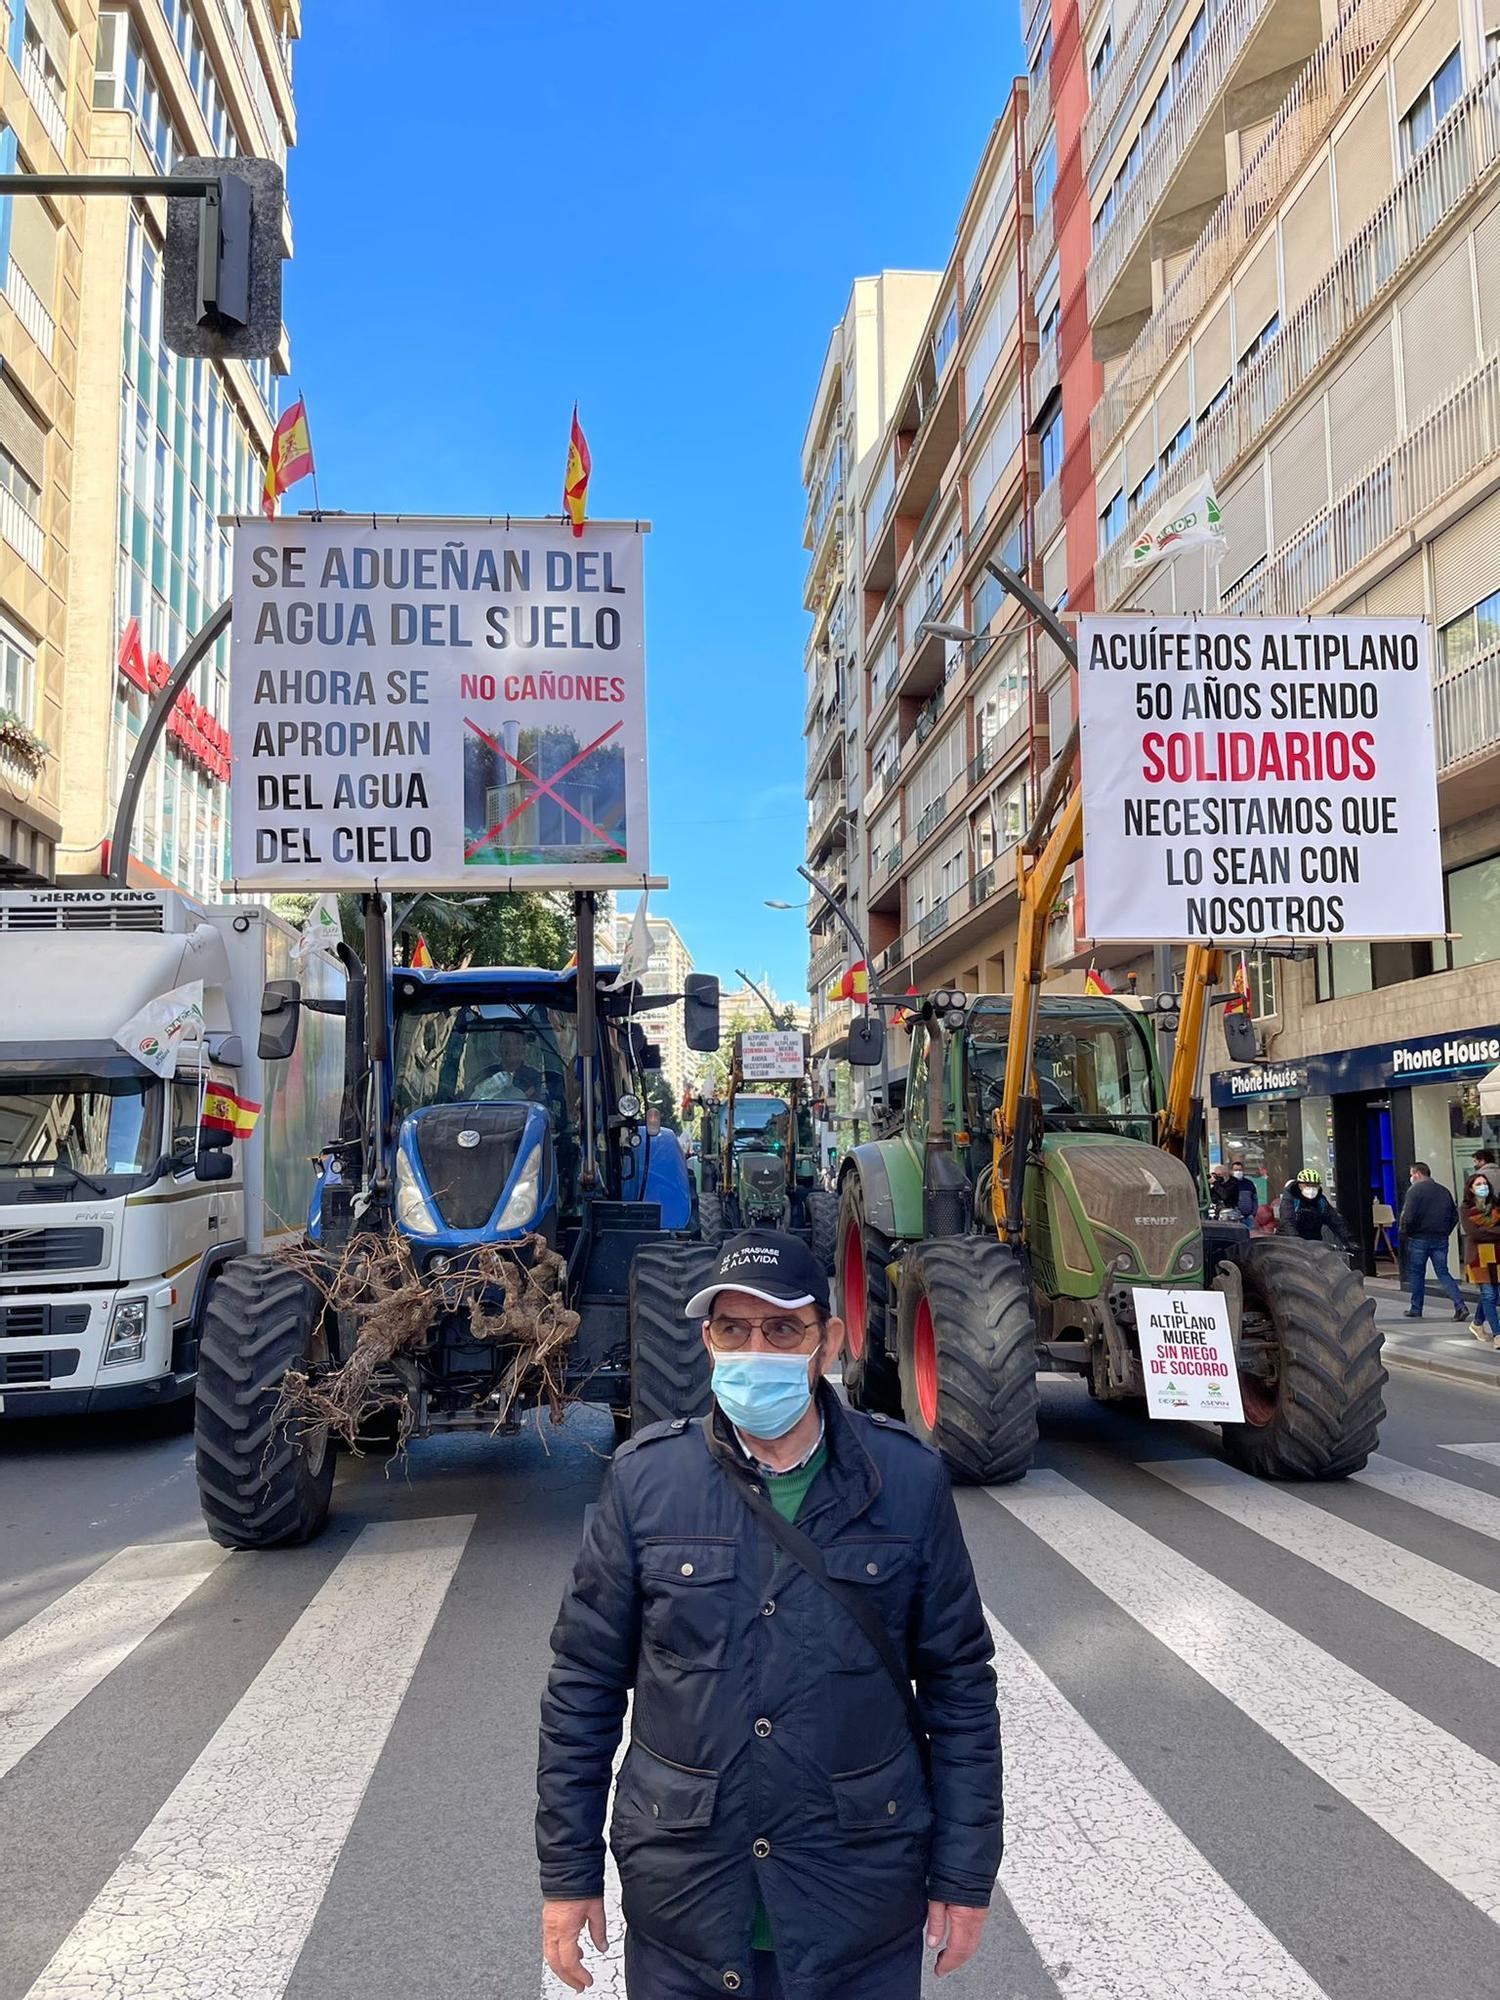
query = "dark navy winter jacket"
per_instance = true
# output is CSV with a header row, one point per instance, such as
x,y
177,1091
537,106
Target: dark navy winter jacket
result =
x,y
769,1748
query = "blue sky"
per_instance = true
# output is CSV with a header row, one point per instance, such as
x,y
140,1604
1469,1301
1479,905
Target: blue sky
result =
x,y
501,205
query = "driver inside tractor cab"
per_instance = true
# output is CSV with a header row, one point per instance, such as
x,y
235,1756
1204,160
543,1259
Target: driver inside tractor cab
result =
x,y
1093,1071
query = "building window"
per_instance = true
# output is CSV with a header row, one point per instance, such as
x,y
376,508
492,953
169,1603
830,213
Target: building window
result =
x,y
1262,976
945,339
1052,447
1099,62
1474,913
1462,640
1047,333
1433,106
1112,520
1187,53
1142,493
1215,402
1044,174
1261,342
1042,58
21,489
1341,970
17,675
1176,446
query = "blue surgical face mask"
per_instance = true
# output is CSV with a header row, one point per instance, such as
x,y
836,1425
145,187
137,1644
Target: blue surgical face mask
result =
x,y
762,1394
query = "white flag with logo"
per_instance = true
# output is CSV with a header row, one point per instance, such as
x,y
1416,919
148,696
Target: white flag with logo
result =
x,y
1194,520
637,950
321,930
156,1031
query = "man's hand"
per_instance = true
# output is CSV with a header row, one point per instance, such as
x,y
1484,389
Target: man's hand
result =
x,y
952,1925
562,1925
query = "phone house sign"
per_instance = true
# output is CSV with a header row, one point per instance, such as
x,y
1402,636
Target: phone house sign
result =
x,y
1467,1052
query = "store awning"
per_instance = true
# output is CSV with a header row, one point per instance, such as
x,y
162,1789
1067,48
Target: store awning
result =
x,y
1489,1093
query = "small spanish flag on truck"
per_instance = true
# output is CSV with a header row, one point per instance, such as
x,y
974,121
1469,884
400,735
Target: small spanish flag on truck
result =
x,y
224,1110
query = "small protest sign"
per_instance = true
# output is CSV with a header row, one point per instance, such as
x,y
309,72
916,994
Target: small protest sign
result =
x,y
1187,1356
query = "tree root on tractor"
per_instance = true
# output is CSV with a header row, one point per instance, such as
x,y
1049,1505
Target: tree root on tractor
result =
x,y
376,1290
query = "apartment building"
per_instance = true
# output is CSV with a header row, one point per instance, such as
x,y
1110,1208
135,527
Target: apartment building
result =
x,y
118,458
958,690
1295,288
865,365
666,970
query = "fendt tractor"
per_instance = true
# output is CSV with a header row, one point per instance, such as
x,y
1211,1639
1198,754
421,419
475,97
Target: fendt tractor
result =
x,y
1041,1173
759,1162
487,1113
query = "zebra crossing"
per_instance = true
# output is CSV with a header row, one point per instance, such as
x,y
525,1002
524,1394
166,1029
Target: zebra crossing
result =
x,y
1150,1622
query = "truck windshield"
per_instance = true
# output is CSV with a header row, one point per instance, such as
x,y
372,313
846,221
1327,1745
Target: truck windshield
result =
x,y
1093,1074
53,1124
484,1051
760,1121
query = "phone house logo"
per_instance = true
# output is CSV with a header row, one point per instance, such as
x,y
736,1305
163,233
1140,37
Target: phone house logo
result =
x,y
1257,1081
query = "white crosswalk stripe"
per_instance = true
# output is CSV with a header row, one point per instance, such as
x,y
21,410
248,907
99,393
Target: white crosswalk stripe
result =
x,y
1466,1613
1075,1818
1465,1506
1429,1791
220,1891
50,1663
1488,1453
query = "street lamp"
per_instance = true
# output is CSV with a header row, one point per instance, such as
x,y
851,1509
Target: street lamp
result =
x,y
761,994
930,629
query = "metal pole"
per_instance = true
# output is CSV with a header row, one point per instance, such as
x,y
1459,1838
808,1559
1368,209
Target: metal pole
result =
x,y
583,927
864,951
145,744
377,1037
201,185
761,995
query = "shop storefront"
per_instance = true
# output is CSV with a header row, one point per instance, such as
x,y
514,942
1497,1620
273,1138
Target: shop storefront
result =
x,y
1361,1116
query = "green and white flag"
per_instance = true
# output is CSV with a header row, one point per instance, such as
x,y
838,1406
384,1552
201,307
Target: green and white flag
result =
x,y
1194,520
320,929
154,1032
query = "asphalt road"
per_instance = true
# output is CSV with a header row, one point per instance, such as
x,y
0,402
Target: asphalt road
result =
x,y
1253,1734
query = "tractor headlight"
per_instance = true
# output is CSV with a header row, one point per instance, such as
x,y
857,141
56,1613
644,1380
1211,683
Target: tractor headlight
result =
x,y
630,1105
521,1204
127,1331
1187,1260
412,1210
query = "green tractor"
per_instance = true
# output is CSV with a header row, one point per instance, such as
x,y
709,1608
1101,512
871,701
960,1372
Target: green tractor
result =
x,y
947,1322
758,1163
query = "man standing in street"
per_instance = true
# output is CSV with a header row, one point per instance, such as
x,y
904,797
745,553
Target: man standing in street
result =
x,y
812,1783
1429,1217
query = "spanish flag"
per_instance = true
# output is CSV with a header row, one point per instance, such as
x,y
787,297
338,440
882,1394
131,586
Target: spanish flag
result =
x,y
1240,1004
224,1110
1096,983
421,956
291,456
576,478
855,984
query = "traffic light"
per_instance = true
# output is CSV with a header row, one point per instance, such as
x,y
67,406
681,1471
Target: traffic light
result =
x,y
222,282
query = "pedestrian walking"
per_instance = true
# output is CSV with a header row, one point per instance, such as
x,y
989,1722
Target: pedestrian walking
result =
x,y
1483,1167
812,1782
1307,1212
1480,1217
1429,1216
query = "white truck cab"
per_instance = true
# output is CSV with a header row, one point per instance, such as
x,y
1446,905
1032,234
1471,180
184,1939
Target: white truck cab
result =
x,y
117,1206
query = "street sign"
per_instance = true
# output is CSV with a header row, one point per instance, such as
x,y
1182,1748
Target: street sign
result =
x,y
771,1055
1187,1355
1248,779
438,704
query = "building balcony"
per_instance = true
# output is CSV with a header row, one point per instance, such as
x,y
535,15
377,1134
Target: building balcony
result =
x,y
824,686
1045,372
29,309
1462,156
931,819
828,957
49,107
830,739
927,716
1039,112
1047,518
22,530
1466,703
1143,40
831,1026
1188,148
1043,242
1456,439
1303,122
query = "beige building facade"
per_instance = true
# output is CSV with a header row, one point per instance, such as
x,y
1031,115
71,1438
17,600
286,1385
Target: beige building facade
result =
x,y
668,967
1295,289
140,451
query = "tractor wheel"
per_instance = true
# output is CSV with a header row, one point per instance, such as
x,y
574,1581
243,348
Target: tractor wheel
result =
x,y
262,1484
823,1225
862,1292
1317,1413
669,1365
968,1356
711,1223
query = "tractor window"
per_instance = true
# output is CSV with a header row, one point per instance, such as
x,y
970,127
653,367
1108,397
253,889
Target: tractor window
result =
x,y
760,1122
1093,1074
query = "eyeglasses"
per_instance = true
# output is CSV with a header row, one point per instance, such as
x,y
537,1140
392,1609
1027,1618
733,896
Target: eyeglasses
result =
x,y
785,1335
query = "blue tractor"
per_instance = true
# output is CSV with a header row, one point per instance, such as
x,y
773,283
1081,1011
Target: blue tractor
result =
x,y
485,1108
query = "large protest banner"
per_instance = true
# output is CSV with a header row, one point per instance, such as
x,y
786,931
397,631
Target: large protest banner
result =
x,y
1256,778
437,703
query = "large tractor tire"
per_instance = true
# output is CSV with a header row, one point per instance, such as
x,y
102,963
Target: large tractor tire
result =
x,y
669,1365
967,1342
263,1484
1319,1414
861,1294
823,1227
711,1222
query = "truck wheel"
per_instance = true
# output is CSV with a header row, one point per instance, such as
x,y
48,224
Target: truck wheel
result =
x,y
968,1356
669,1365
1317,1415
862,1293
262,1484
823,1223
711,1222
